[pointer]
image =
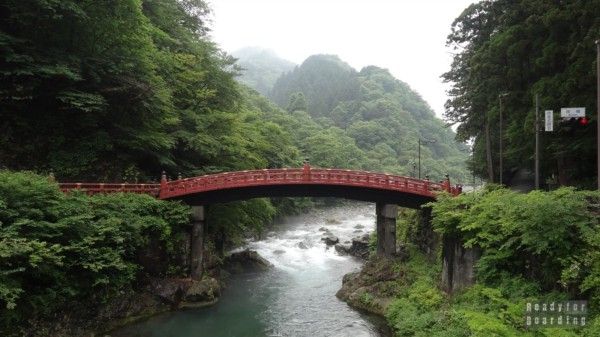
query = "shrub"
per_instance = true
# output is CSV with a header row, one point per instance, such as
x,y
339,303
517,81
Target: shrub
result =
x,y
57,249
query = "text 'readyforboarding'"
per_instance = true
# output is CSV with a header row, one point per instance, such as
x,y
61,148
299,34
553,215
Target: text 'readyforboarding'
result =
x,y
563,314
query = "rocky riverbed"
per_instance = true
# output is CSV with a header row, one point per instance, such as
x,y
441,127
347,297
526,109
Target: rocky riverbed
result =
x,y
290,288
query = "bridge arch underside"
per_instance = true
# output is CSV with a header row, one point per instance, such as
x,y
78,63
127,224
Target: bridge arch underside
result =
x,y
403,199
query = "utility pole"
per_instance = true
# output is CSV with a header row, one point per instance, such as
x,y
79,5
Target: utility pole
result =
x,y
488,149
501,138
419,157
598,110
537,142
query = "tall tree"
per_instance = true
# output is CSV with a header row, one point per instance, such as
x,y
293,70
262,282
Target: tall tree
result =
x,y
518,49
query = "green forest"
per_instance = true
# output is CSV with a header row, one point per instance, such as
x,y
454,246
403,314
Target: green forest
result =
x,y
535,247
378,117
121,90
507,52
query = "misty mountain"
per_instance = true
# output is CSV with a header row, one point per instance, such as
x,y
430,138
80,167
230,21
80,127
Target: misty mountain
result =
x,y
261,68
325,81
380,117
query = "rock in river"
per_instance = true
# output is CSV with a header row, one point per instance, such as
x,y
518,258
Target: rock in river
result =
x,y
330,239
245,261
358,248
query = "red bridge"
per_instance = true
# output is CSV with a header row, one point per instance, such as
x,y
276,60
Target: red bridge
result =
x,y
386,190
298,182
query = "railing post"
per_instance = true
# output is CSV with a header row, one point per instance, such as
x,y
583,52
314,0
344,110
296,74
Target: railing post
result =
x,y
306,171
51,177
163,183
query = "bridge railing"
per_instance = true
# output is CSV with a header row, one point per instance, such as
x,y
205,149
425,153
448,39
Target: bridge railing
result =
x,y
305,175
300,176
99,188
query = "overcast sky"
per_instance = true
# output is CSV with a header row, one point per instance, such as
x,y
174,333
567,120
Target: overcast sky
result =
x,y
405,36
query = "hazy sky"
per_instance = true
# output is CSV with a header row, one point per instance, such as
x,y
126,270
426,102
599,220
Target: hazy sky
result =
x,y
405,36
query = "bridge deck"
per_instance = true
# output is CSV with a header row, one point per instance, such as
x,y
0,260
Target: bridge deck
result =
x,y
272,177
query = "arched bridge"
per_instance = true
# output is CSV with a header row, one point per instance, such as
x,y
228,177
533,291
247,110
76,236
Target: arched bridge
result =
x,y
386,190
294,182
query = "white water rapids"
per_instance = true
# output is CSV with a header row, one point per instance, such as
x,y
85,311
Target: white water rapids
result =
x,y
295,298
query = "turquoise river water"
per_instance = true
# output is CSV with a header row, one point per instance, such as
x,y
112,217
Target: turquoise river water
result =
x,y
295,298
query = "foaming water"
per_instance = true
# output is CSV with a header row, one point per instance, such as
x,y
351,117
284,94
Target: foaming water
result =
x,y
295,298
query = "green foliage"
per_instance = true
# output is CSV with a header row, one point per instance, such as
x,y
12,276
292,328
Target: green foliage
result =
x,y
540,246
240,220
421,309
56,249
506,53
407,224
367,119
123,90
548,237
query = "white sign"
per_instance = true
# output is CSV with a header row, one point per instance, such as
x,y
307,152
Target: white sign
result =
x,y
549,120
572,112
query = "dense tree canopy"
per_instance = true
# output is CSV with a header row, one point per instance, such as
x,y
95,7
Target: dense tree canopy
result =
x,y
120,91
367,119
509,51
59,252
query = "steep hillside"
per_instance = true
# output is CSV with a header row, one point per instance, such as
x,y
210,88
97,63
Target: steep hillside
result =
x,y
373,112
261,68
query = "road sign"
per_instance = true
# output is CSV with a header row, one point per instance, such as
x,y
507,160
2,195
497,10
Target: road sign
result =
x,y
572,112
549,121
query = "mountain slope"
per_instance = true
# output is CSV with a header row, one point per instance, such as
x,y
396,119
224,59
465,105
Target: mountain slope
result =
x,y
261,68
340,117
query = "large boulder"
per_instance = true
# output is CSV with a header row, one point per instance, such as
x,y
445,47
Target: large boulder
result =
x,y
359,247
185,292
343,248
373,288
246,261
202,293
330,239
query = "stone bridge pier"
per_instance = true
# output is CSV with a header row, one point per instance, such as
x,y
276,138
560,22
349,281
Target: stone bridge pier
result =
x,y
386,229
197,242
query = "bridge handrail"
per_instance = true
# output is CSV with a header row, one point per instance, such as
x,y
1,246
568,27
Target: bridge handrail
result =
x,y
95,188
307,175
299,176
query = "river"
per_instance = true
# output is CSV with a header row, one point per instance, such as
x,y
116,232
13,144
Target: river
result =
x,y
295,298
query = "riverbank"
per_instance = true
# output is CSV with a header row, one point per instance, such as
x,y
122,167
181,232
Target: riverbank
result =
x,y
158,296
539,247
382,281
294,298
300,271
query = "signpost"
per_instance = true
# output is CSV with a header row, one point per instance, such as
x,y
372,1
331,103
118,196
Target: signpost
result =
x,y
572,112
549,121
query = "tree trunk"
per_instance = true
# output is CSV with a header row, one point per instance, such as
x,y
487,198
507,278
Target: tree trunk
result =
x,y
488,151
